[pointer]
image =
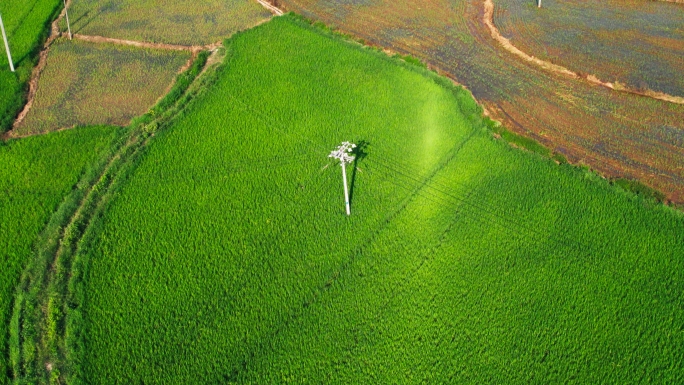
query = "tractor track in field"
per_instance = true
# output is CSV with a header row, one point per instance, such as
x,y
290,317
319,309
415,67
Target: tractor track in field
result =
x,y
52,273
488,20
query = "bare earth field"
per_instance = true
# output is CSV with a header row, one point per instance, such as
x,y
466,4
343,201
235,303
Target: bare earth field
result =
x,y
89,83
181,22
615,133
637,43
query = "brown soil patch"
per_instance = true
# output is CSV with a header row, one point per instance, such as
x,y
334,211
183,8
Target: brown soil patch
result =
x,y
489,22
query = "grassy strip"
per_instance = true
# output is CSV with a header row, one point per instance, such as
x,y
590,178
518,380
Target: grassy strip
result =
x,y
43,326
24,332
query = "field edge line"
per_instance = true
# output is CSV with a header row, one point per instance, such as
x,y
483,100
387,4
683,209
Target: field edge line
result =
x,y
488,19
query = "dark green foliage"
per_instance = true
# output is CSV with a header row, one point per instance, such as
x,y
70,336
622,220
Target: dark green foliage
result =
x,y
226,256
639,188
519,140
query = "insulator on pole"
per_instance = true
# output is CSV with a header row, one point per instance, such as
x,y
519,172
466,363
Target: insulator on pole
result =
x,y
343,153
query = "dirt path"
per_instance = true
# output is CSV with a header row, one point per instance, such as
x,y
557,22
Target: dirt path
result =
x,y
489,22
141,44
55,33
275,10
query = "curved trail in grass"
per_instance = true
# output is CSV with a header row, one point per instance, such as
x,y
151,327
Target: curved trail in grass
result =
x,y
46,297
488,20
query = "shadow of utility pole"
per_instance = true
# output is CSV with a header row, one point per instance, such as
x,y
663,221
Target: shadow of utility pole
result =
x,y
359,154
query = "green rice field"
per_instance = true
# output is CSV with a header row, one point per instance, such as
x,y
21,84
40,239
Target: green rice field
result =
x,y
226,257
92,83
181,22
36,175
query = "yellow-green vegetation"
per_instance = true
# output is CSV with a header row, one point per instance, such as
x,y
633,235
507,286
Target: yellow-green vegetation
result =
x,y
185,22
36,174
27,26
89,83
226,256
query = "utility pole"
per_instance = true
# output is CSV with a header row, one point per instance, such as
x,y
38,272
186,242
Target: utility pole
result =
x,y
538,3
66,13
4,37
343,154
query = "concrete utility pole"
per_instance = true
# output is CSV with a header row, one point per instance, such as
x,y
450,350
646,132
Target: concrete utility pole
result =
x,y
343,154
66,13
4,37
538,3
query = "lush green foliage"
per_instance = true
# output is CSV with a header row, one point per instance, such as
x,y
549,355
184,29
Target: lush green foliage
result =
x,y
227,257
36,175
27,26
176,22
91,83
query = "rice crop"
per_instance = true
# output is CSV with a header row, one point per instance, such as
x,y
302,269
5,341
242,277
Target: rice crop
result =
x,y
617,134
182,22
92,83
27,26
37,174
226,256
637,43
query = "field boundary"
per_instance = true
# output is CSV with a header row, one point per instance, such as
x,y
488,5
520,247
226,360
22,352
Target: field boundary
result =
x,y
271,7
37,70
55,33
141,44
488,19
